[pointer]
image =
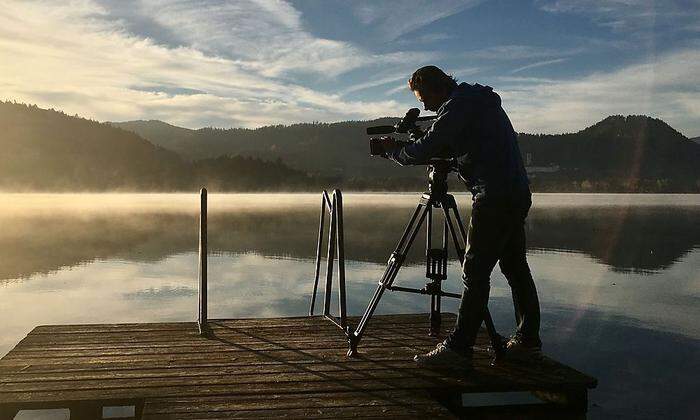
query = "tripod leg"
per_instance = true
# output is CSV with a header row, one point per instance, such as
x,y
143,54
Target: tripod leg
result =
x,y
432,332
428,237
394,264
440,268
443,269
460,225
459,245
435,315
430,268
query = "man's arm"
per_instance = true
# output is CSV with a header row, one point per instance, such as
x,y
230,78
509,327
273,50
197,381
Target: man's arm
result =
x,y
444,132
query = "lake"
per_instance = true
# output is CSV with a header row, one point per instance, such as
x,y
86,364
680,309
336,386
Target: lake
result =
x,y
618,275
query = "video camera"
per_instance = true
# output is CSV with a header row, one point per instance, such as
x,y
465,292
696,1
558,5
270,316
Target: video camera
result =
x,y
407,125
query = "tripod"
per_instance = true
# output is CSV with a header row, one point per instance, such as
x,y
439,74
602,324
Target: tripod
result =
x,y
436,258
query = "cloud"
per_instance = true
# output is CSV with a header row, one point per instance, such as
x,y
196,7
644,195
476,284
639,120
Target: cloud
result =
x,y
463,72
373,83
396,89
255,62
665,87
538,64
518,52
640,16
264,35
433,37
82,57
394,18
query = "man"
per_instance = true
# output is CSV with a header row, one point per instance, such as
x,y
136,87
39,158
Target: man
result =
x,y
473,128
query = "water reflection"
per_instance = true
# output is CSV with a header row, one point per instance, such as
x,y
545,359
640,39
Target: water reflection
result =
x,y
46,237
643,373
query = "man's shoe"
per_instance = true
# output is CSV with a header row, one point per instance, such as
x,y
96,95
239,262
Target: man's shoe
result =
x,y
445,357
519,349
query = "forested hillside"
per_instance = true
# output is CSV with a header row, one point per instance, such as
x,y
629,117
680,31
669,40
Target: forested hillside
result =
x,y
618,154
633,153
337,150
49,150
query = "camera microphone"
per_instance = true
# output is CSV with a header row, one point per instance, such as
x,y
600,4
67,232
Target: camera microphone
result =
x,y
412,114
380,129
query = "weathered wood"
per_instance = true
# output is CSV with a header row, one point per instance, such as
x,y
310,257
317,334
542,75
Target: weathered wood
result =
x,y
305,333
392,412
299,333
283,367
217,339
293,321
195,371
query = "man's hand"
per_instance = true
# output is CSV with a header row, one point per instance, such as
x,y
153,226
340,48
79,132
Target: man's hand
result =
x,y
388,143
415,134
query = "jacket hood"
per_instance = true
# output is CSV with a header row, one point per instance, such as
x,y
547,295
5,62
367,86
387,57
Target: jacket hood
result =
x,y
483,95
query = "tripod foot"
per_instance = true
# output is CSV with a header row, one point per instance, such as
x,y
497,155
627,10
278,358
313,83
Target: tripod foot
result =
x,y
435,323
434,331
499,349
352,345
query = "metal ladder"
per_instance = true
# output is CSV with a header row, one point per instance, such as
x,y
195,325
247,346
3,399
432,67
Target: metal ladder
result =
x,y
333,205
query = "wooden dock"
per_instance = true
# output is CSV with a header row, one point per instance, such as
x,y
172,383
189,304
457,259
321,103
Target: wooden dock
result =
x,y
281,367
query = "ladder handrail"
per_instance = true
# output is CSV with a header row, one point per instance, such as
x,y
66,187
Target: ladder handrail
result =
x,y
332,204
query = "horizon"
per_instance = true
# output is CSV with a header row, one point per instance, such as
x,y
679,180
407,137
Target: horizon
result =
x,y
690,137
560,66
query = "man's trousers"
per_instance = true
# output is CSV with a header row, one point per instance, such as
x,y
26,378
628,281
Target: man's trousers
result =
x,y
496,234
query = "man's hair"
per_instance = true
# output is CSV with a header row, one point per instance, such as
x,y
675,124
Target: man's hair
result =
x,y
431,78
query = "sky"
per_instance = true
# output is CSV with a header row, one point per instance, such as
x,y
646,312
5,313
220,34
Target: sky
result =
x,y
559,65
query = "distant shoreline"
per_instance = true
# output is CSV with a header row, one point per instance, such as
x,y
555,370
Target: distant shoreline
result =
x,y
356,192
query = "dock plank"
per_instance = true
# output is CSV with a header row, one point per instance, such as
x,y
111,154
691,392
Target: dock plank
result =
x,y
280,367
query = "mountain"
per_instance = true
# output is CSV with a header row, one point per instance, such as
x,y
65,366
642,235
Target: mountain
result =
x,y
48,150
338,150
635,153
632,153
162,134
696,139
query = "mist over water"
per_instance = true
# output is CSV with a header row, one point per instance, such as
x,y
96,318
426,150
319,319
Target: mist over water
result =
x,y
617,274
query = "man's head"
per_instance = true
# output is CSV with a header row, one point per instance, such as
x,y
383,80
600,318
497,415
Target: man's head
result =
x,y
431,86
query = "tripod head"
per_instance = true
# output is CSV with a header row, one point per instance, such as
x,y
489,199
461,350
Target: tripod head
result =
x,y
438,169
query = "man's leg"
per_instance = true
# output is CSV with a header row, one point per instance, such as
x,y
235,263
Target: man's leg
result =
x,y
487,235
513,264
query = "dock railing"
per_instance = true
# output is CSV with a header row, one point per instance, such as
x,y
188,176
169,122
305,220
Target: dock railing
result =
x,y
333,205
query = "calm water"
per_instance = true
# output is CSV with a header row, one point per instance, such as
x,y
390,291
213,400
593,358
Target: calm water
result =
x,y
618,275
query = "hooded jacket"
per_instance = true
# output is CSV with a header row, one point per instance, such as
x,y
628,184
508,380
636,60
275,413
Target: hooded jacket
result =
x,y
473,128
